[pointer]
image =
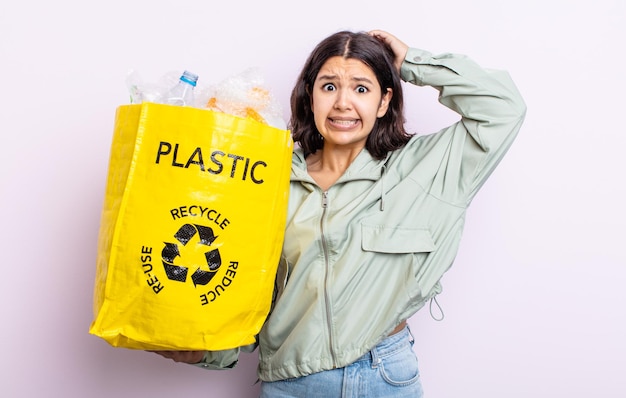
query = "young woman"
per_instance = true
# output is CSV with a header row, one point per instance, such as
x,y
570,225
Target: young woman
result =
x,y
375,214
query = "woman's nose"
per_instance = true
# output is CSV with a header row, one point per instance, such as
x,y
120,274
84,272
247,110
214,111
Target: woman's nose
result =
x,y
342,101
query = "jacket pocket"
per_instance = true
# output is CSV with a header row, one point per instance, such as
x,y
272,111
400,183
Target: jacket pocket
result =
x,y
386,239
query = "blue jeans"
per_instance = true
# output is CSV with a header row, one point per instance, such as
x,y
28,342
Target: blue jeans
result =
x,y
389,370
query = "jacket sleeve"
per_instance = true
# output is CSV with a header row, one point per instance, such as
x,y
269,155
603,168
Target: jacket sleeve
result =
x,y
491,109
220,360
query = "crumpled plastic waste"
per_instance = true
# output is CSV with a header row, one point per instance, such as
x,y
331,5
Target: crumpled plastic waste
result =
x,y
243,94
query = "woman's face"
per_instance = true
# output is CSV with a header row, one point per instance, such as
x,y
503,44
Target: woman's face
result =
x,y
346,100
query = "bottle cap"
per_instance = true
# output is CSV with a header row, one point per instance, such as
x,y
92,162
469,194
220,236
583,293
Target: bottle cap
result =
x,y
189,77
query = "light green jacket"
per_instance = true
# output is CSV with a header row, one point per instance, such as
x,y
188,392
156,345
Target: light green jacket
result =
x,y
370,252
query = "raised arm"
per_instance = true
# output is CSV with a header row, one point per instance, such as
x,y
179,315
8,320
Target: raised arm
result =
x,y
491,109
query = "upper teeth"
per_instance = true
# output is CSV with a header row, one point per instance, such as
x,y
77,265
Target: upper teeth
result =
x,y
345,122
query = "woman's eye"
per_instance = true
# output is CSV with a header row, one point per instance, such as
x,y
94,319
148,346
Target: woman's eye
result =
x,y
361,90
328,87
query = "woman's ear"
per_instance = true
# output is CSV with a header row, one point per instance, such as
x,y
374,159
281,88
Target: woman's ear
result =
x,y
384,103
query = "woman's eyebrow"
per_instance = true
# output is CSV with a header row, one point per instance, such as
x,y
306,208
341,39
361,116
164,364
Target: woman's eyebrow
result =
x,y
356,79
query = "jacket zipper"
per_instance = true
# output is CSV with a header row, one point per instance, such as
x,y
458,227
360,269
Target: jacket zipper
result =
x,y
326,280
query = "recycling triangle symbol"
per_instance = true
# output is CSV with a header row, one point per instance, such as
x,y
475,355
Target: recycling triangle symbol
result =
x,y
172,250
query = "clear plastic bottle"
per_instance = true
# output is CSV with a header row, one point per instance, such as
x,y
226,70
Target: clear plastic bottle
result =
x,y
182,93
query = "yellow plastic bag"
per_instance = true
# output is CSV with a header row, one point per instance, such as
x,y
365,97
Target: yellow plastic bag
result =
x,y
191,229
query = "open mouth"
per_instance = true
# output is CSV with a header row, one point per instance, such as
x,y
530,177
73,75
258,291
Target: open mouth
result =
x,y
344,123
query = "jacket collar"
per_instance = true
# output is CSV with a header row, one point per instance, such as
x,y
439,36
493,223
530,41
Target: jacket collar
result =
x,y
364,167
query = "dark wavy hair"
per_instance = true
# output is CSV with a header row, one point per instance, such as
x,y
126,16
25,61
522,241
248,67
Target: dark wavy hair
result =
x,y
388,133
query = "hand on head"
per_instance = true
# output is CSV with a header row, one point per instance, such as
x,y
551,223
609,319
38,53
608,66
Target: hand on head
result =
x,y
398,47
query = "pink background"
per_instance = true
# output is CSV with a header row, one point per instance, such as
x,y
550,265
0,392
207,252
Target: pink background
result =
x,y
535,302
